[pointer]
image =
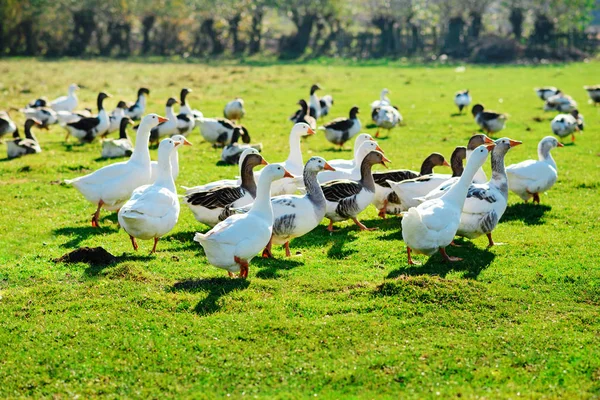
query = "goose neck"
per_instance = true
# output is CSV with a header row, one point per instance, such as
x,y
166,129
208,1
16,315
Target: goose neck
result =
x,y
247,176
262,203
314,192
164,175
366,175
141,153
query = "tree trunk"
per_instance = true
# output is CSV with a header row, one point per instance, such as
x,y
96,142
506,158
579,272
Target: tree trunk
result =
x,y
295,45
453,43
208,29
147,25
234,25
84,27
516,21
475,26
256,30
543,30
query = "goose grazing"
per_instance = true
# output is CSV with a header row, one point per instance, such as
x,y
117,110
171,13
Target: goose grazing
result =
x,y
232,152
212,206
232,243
302,115
566,124
294,215
386,117
326,102
561,103
432,225
383,100
111,186
44,115
348,165
594,93
219,131
234,110
169,126
345,199
121,147
115,117
462,99
185,119
19,147
529,178
486,202
387,201
340,130
137,109
66,103
174,160
153,210
489,121
7,125
314,103
354,173
544,93
86,129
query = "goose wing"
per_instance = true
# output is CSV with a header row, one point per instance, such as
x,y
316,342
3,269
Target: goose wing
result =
x,y
340,189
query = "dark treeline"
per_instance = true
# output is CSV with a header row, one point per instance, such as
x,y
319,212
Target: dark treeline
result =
x,y
481,29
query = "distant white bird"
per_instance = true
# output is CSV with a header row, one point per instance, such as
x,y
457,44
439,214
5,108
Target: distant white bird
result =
x,y
313,102
383,100
326,102
116,116
137,110
567,124
234,110
545,93
386,117
19,147
86,129
7,125
66,103
121,147
462,99
561,103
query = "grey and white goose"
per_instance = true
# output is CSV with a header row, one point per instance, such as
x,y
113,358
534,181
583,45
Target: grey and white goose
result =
x,y
19,147
86,129
137,109
44,115
489,121
168,127
302,115
340,130
214,205
121,147
314,103
219,131
326,102
7,125
387,201
345,199
544,93
185,118
234,110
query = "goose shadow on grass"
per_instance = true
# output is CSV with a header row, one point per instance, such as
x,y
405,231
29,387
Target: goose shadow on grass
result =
x,y
183,240
475,261
216,288
529,213
80,233
322,238
270,268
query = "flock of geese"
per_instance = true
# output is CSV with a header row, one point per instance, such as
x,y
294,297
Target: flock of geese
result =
x,y
285,200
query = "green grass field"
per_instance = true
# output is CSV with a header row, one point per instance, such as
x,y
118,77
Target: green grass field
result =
x,y
346,318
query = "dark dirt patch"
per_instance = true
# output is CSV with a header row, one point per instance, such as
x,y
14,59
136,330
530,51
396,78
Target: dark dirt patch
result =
x,y
88,255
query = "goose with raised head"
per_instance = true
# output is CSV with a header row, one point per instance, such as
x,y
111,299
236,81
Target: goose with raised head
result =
x,y
489,121
529,178
174,159
234,242
121,147
68,102
567,124
354,173
462,99
153,210
169,126
86,129
340,130
348,165
185,119
345,198
302,115
383,100
214,205
432,225
314,103
18,146
234,110
137,109
111,186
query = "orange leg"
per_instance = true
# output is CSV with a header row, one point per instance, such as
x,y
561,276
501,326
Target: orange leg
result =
x,y
410,260
330,227
243,266
377,133
536,198
154,247
133,243
96,215
447,257
382,210
267,253
288,253
362,226
572,137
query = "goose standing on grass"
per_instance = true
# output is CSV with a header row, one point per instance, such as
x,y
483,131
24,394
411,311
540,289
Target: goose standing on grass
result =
x,y
486,202
232,152
234,110
86,129
567,124
115,117
185,119
432,225
354,173
348,165
169,126
232,243
121,147
20,147
219,131
594,93
529,178
7,125
345,199
383,100
462,99
111,186
174,160
326,102
489,121
302,115
544,93
153,210
68,102
214,205
561,103
340,130
314,103
387,201
137,109
44,115
386,117
67,117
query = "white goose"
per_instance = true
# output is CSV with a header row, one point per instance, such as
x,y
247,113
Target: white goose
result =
x,y
567,124
354,173
386,117
66,103
462,99
174,160
19,147
121,147
86,129
111,186
153,210
432,225
169,126
232,243
234,110
529,178
137,110
7,125
348,165
383,100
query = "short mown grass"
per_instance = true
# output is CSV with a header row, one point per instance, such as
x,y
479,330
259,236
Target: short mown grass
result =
x,y
346,317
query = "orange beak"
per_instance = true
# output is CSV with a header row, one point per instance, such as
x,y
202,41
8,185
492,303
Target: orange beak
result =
x,y
445,163
310,131
379,149
329,167
287,174
371,139
490,146
488,140
384,160
177,144
186,142
264,162
514,143
560,144
162,119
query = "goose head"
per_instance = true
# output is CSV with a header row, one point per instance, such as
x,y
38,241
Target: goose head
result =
x,y
478,157
142,91
366,148
437,160
31,122
101,97
181,140
360,139
273,172
314,88
243,133
478,140
317,164
124,122
166,147
477,108
73,87
122,104
353,112
548,143
183,95
171,102
376,157
150,121
302,129
303,105
251,157
384,93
